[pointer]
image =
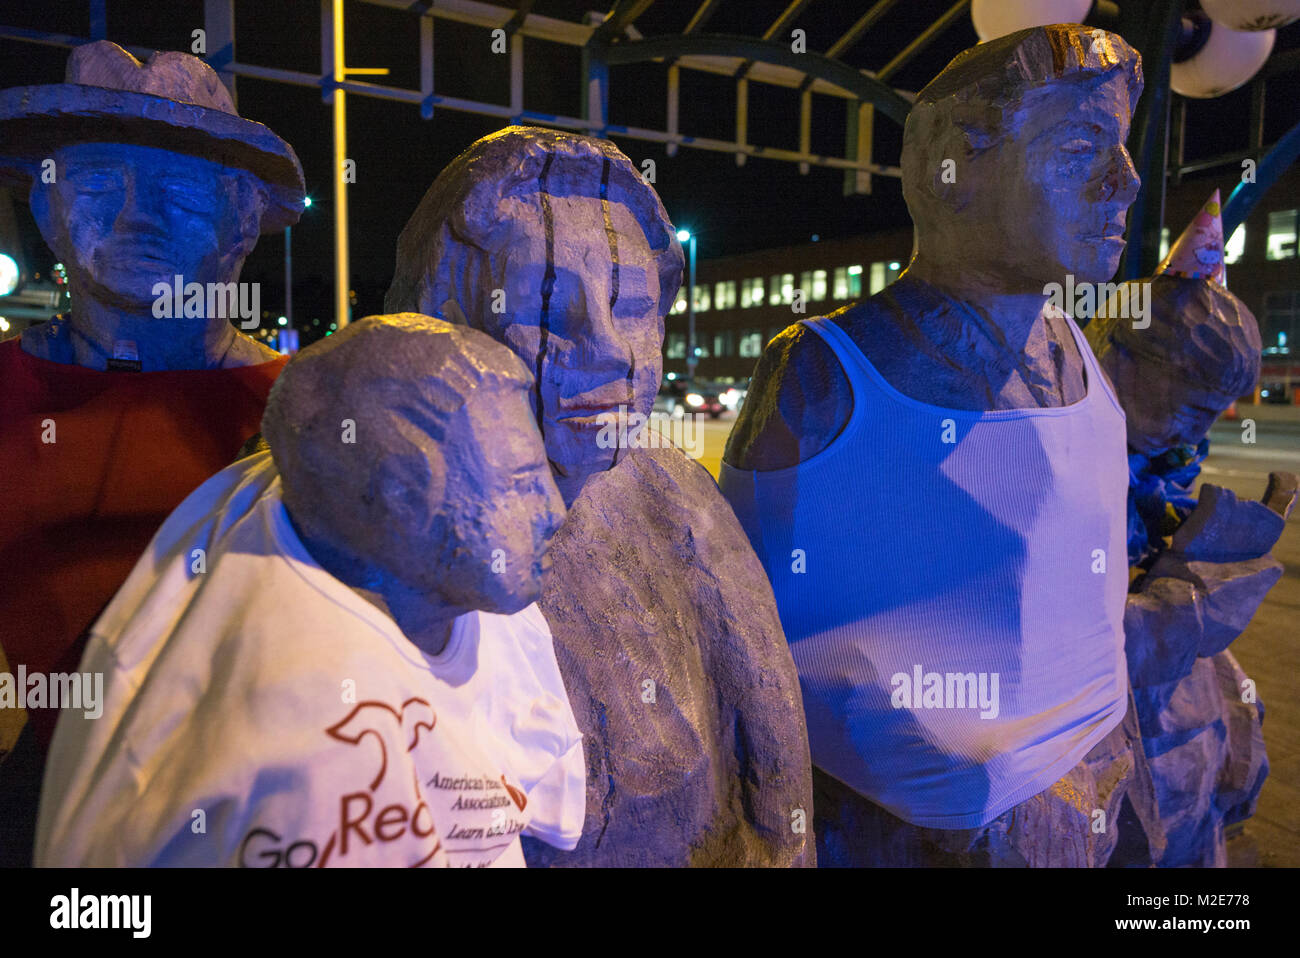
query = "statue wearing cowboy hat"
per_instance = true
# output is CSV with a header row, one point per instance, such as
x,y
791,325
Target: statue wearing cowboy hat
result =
x,y
141,177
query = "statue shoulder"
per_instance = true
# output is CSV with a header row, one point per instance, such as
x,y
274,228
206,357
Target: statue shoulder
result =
x,y
246,351
799,400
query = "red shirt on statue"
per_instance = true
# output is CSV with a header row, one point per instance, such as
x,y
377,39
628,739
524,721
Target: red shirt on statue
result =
x,y
92,462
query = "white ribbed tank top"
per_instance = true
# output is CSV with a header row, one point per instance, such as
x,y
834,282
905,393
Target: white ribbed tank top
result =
x,y
894,553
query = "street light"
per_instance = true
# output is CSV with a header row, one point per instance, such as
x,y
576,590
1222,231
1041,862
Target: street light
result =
x,y
685,236
288,266
10,274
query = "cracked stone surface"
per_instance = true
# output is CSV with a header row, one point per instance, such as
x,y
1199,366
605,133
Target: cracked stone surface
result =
x,y
654,581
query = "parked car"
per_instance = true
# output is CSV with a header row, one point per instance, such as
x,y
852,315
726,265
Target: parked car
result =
x,y
733,397
677,398
1275,394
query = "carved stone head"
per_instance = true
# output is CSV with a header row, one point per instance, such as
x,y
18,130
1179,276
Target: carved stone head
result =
x,y
124,217
411,463
1175,376
552,244
141,171
1014,164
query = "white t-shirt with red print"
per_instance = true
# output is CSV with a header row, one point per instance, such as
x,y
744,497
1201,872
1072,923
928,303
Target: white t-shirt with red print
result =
x,y
258,712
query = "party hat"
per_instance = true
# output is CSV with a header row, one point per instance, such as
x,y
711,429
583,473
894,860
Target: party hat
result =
x,y
1198,252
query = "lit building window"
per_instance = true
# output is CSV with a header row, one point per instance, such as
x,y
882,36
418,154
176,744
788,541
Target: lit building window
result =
x,y
1281,234
751,343
1278,323
679,305
724,343
877,278
1235,247
675,346
781,289
813,284
1164,242
882,274
751,292
702,298
724,294
847,282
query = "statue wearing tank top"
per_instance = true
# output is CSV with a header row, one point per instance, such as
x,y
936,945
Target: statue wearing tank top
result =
x,y
1038,190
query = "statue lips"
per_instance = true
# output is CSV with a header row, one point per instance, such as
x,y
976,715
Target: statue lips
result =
x,y
590,403
582,414
587,412
1112,231
136,255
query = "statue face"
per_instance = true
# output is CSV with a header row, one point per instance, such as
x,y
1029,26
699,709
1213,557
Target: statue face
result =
x,y
467,518
504,505
1059,186
1162,409
126,217
600,350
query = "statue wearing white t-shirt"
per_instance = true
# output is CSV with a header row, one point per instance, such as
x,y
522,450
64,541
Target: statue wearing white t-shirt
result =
x,y
330,654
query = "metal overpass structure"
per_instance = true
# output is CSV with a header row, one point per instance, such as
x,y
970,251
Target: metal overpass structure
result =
x,y
774,58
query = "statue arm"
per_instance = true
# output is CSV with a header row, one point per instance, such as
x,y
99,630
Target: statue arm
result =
x,y
799,400
1202,593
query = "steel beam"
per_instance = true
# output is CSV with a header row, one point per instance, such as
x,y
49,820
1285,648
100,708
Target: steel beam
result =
x,y
702,15
98,20
1154,30
522,9
426,67
859,29
619,19
923,41
219,30
333,80
783,21
857,84
1268,171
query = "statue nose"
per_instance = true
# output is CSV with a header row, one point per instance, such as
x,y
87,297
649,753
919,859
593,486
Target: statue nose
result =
x,y
1121,182
142,207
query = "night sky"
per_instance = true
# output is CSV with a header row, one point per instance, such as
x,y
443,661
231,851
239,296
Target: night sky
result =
x,y
731,209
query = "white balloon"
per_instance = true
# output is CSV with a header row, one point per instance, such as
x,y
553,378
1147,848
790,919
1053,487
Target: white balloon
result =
x,y
1228,59
1252,14
997,18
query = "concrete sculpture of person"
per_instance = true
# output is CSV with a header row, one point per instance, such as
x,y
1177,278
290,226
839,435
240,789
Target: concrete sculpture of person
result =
x,y
331,654
935,481
1204,566
139,173
665,627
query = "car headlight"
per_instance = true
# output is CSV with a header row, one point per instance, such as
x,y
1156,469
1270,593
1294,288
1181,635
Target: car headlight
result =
x,y
694,400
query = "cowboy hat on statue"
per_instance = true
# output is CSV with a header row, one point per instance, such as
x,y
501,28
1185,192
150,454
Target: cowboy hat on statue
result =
x,y
146,183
